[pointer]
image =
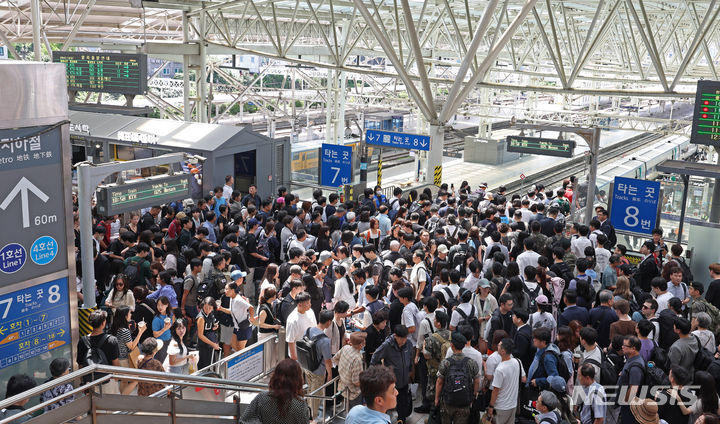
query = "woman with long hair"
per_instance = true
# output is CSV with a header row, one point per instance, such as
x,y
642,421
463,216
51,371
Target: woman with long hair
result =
x,y
514,286
171,256
178,352
122,328
344,287
271,278
267,323
207,326
316,295
283,403
372,234
161,324
323,241
567,343
622,289
120,294
707,397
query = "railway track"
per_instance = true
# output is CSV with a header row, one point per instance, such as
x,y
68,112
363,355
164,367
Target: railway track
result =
x,y
554,175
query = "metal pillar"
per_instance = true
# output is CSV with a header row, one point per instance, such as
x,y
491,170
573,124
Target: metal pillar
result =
x,y
593,140
435,154
36,12
339,123
330,108
201,80
89,177
187,113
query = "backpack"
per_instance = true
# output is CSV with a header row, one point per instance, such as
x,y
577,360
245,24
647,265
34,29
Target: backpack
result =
x,y
562,368
308,352
179,286
557,285
558,419
95,355
262,245
532,295
208,288
470,320
659,357
703,357
667,335
134,273
434,363
687,274
458,387
290,239
704,306
608,375
427,291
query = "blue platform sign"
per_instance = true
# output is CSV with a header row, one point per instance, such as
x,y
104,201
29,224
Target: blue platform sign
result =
x,y
397,139
635,205
335,165
34,321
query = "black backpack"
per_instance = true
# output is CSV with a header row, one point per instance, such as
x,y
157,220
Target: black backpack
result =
x,y
687,274
470,320
458,386
562,368
308,352
703,357
558,419
659,357
608,375
95,355
133,272
532,295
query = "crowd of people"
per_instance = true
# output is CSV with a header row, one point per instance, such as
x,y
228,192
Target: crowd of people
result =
x,y
476,303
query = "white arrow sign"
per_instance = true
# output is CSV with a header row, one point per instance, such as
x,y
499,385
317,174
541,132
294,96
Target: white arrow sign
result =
x,y
22,187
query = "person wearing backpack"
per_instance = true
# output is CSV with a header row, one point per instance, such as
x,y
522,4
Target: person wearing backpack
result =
x,y
631,377
458,382
547,405
435,348
313,353
396,353
137,268
683,351
592,401
507,380
547,370
99,348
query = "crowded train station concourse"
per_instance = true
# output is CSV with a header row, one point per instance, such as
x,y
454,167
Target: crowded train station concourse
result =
x,y
361,212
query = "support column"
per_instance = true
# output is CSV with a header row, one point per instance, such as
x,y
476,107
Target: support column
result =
x,y
715,203
187,113
435,154
594,143
201,80
339,123
329,108
36,12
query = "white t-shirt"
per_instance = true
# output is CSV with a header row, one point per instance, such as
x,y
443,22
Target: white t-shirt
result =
x,y
342,292
417,275
297,324
239,308
471,282
456,317
492,362
410,319
507,379
427,326
527,258
662,302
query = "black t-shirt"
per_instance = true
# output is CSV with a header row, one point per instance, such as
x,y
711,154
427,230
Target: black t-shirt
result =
x,y
251,247
395,315
110,347
116,247
146,222
144,311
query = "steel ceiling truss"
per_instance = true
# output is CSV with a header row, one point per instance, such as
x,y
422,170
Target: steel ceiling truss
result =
x,y
441,51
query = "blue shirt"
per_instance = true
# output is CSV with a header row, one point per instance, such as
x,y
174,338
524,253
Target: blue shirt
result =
x,y
167,291
211,231
361,414
384,224
218,202
158,324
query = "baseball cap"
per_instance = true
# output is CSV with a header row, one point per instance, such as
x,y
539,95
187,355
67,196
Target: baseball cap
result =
x,y
483,185
541,300
484,283
253,222
237,274
324,255
442,248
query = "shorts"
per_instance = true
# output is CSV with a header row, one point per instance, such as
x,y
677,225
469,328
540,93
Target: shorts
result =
x,y
226,334
243,334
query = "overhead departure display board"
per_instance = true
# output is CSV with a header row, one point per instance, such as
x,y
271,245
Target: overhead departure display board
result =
x,y
118,198
706,117
104,72
540,146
